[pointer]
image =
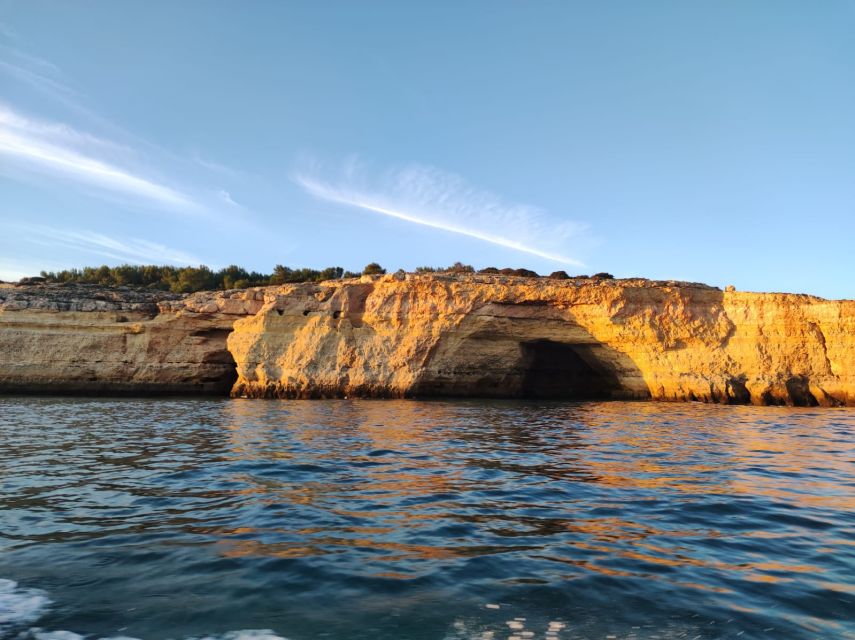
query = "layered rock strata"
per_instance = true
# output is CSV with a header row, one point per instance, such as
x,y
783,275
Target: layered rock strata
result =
x,y
91,340
435,335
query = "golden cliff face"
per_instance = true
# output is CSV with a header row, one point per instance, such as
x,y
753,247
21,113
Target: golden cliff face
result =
x,y
422,335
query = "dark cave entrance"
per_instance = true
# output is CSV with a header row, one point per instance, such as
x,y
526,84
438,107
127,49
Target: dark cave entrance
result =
x,y
219,373
569,371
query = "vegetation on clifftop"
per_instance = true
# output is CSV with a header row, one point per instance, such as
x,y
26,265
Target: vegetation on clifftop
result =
x,y
189,279
202,278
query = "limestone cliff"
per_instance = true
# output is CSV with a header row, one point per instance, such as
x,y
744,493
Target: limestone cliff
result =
x,y
422,335
87,339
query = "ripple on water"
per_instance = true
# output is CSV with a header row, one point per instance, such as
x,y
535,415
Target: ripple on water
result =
x,y
346,519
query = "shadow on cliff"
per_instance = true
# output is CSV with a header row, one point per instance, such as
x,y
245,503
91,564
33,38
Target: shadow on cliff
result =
x,y
499,353
558,370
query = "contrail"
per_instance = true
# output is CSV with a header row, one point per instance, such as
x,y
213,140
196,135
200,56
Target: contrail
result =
x,y
441,201
51,147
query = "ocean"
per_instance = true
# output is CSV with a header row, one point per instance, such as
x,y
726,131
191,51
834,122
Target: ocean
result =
x,y
437,520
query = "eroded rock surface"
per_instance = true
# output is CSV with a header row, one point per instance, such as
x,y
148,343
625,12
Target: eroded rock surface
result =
x,y
94,340
420,335
437,334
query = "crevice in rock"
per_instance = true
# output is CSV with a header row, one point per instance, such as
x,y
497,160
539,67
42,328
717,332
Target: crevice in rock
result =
x,y
820,336
736,391
798,389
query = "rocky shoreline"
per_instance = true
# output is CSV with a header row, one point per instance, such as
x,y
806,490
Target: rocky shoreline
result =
x,y
421,335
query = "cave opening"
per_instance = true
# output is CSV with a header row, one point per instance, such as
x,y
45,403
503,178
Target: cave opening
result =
x,y
569,371
219,373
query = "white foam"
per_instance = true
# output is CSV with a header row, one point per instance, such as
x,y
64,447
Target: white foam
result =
x,y
243,634
38,634
246,634
20,606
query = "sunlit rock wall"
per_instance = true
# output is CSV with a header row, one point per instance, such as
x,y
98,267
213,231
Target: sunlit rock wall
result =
x,y
433,335
420,335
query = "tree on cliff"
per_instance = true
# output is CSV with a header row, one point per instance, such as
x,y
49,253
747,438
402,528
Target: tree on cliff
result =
x,y
373,269
188,279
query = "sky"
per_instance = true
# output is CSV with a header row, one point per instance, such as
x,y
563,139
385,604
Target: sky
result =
x,y
702,141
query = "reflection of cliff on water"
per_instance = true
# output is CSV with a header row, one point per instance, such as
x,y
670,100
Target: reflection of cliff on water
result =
x,y
696,447
367,506
367,471
388,480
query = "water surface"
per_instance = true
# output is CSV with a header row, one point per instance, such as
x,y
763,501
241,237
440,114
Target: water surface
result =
x,y
159,519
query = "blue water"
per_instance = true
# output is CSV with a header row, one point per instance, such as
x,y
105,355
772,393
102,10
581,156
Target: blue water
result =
x,y
438,520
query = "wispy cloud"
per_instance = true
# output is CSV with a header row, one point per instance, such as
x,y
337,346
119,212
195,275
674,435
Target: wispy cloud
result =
x,y
218,168
132,250
43,76
33,61
226,197
433,198
60,149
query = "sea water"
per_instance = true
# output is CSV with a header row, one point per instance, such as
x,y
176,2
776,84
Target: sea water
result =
x,y
260,520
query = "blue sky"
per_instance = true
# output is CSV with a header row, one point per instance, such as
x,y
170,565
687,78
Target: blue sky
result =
x,y
701,141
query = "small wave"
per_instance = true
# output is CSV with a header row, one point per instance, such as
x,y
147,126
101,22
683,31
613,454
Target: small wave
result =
x,y
246,634
20,606
243,634
38,634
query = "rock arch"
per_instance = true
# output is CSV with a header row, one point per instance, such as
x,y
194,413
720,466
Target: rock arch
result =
x,y
509,351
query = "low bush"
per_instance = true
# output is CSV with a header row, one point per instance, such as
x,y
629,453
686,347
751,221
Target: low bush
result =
x,y
373,269
526,273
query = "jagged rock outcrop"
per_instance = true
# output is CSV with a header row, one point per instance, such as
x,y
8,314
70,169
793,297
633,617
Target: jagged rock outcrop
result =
x,y
436,334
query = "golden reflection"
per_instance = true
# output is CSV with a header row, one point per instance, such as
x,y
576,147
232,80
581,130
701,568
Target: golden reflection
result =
x,y
765,577
327,544
785,567
838,586
591,566
702,587
383,472
661,450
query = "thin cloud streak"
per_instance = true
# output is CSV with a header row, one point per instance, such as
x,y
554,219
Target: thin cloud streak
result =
x,y
431,198
51,147
226,197
132,250
31,60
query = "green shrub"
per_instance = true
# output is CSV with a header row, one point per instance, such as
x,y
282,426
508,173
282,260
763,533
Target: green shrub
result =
x,y
373,269
188,279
